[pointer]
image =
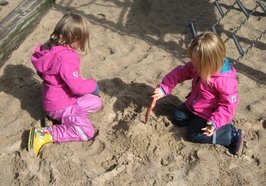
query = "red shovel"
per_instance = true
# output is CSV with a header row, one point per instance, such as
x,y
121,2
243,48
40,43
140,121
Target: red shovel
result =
x,y
148,113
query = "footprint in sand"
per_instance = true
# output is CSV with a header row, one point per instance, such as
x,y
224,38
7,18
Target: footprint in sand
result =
x,y
3,3
263,123
101,16
111,50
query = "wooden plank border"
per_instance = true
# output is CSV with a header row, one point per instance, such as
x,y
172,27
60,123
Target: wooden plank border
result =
x,y
19,23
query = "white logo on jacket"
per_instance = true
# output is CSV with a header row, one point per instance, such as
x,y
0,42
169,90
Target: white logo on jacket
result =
x,y
75,74
233,98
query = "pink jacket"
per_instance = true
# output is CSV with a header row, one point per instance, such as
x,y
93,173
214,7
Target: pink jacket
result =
x,y
59,68
216,101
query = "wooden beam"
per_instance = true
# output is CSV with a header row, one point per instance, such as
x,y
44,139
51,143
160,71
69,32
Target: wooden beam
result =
x,y
18,24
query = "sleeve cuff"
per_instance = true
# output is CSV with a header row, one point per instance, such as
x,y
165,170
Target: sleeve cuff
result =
x,y
97,90
213,124
163,90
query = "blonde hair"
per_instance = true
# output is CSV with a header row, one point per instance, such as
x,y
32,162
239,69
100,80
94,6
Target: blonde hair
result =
x,y
210,50
70,29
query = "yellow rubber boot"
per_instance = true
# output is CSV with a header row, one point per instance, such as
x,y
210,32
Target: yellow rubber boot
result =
x,y
37,138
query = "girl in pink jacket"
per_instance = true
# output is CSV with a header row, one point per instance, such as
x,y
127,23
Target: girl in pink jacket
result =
x,y
212,102
66,96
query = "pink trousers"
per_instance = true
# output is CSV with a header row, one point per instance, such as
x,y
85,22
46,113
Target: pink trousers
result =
x,y
75,125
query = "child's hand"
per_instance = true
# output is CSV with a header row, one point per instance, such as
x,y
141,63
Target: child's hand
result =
x,y
158,93
208,130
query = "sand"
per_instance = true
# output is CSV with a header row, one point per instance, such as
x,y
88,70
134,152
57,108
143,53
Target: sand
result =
x,y
133,45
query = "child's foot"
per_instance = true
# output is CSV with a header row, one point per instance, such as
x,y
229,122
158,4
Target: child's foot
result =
x,y
237,141
37,138
47,121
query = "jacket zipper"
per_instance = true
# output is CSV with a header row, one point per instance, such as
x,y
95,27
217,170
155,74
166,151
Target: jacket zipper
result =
x,y
197,95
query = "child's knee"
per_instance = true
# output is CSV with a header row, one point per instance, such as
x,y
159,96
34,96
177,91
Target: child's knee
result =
x,y
181,118
95,104
99,103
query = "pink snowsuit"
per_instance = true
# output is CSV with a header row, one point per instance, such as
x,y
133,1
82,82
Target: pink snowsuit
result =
x,y
216,101
66,96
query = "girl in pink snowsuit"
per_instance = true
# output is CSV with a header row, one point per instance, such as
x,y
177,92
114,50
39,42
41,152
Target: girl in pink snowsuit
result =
x,y
212,102
66,96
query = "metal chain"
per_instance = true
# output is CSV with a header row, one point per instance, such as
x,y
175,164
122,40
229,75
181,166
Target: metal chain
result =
x,y
251,45
243,22
237,28
227,11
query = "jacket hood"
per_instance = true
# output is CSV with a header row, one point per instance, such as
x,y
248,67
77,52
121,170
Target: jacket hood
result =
x,y
42,60
227,69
